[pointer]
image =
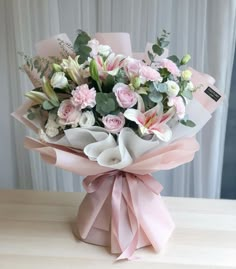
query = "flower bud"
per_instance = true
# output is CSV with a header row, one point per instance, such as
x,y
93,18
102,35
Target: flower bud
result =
x,y
185,59
136,82
186,75
56,67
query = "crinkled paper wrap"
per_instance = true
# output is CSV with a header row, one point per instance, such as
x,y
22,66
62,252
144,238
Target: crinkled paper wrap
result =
x,y
123,207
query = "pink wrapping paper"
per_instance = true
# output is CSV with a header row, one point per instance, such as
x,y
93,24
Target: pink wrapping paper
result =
x,y
123,208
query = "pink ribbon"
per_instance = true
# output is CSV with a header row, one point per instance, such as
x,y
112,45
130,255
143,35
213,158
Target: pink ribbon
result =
x,y
125,187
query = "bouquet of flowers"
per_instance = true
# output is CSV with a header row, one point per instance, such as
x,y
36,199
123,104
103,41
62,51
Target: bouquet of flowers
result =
x,y
116,119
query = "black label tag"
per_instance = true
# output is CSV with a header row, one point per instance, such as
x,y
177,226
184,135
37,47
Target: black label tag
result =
x,y
214,95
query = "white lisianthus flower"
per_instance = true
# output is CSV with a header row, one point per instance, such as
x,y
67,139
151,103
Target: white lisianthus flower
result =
x,y
186,75
87,119
189,86
104,50
173,88
59,80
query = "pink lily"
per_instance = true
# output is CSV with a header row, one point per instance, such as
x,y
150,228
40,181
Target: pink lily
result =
x,y
110,66
152,121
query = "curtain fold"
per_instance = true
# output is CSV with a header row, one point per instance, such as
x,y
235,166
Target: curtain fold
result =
x,y
205,29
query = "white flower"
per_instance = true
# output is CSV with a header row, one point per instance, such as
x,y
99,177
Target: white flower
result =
x,y
173,88
186,74
87,119
104,50
51,131
52,126
59,80
189,86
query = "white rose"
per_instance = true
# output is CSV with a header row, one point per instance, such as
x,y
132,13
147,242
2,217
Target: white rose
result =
x,y
87,119
104,50
186,75
173,88
189,86
52,131
59,80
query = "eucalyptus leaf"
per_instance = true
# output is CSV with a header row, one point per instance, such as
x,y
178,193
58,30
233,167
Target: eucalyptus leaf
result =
x,y
162,87
188,123
187,94
155,97
47,105
150,56
80,46
174,59
105,103
31,116
157,49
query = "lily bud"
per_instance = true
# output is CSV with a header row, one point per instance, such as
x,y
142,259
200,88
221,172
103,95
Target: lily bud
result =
x,y
185,59
48,90
37,97
56,67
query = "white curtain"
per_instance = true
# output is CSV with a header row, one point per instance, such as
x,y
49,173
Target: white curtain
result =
x,y
205,29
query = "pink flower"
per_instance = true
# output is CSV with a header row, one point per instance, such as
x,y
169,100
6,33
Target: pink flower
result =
x,y
110,66
125,97
148,73
114,123
93,44
170,66
68,114
83,97
132,67
152,121
179,105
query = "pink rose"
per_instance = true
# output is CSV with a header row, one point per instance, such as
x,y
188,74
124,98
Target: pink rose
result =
x,y
148,73
170,66
179,105
68,114
125,97
83,97
132,67
114,123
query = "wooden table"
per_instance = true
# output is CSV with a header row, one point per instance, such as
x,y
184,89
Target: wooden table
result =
x,y
35,232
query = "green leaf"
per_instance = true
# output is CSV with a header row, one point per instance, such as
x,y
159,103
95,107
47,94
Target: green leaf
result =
x,y
47,105
148,103
174,59
105,103
157,49
155,97
31,116
188,123
150,56
108,83
187,94
80,46
164,43
162,87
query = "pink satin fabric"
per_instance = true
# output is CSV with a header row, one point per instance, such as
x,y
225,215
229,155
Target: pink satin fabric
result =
x,y
123,208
